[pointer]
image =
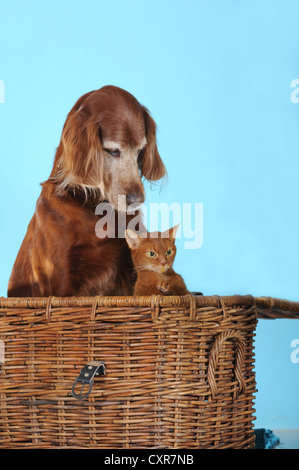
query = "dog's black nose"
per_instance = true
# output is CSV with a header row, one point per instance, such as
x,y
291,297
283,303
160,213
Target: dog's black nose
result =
x,y
137,198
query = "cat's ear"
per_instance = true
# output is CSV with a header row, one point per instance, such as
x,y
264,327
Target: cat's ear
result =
x,y
171,233
132,239
174,230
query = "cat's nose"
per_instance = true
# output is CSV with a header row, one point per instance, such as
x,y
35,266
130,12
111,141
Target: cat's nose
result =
x,y
135,198
163,262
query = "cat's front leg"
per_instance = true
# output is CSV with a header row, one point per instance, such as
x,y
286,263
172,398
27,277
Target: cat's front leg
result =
x,y
164,287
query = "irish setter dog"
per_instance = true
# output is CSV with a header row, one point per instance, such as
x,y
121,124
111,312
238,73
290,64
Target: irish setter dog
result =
x,y
108,144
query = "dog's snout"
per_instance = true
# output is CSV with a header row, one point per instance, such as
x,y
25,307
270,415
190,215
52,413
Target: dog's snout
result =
x,y
137,198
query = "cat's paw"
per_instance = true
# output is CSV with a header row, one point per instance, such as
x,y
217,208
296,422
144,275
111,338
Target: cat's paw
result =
x,y
164,287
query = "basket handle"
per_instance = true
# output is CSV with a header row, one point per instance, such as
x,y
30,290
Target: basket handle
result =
x,y
214,356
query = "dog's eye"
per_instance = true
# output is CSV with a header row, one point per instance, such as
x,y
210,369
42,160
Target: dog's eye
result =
x,y
113,153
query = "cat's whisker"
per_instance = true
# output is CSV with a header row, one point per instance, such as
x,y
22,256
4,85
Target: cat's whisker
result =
x,y
142,267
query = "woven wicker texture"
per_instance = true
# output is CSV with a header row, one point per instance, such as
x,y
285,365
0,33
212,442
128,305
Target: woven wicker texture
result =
x,y
179,371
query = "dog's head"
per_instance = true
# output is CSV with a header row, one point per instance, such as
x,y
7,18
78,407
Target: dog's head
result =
x,y
108,143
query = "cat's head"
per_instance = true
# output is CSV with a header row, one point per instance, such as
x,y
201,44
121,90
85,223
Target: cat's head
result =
x,y
154,251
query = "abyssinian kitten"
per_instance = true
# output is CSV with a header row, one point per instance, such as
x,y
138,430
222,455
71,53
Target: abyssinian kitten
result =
x,y
153,256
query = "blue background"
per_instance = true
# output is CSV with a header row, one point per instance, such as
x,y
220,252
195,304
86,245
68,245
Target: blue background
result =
x,y
216,76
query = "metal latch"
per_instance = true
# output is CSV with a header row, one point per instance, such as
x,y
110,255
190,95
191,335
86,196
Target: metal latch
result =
x,y
86,376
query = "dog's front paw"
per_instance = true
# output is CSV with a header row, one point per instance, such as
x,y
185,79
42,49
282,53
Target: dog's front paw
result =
x,y
164,287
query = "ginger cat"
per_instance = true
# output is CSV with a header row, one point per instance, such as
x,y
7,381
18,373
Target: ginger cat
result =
x,y
153,256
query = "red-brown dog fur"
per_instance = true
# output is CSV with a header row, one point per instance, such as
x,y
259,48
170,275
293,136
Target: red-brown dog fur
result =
x,y
61,254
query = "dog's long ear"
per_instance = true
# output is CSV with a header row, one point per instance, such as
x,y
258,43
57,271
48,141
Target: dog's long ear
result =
x,y
150,163
80,159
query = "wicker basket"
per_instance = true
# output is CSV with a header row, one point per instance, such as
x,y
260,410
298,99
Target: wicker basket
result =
x,y
130,372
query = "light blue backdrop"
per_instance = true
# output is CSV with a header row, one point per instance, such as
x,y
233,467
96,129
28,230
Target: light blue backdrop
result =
x,y
216,76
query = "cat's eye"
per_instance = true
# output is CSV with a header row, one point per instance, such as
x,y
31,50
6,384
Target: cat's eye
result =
x,y
168,252
151,254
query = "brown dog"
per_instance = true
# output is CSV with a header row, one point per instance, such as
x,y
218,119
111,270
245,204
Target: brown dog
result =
x,y
108,143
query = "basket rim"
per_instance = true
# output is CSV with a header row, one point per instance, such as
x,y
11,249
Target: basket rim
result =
x,y
267,307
